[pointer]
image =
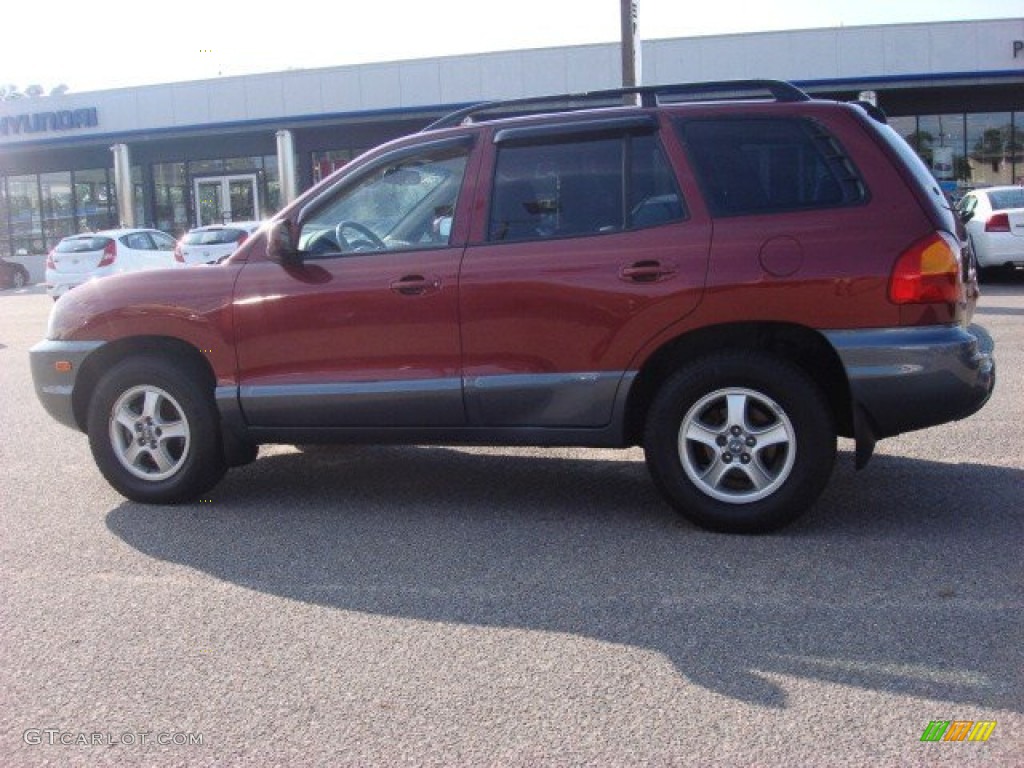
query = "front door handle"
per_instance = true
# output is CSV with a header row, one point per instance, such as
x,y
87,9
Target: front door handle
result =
x,y
416,285
647,271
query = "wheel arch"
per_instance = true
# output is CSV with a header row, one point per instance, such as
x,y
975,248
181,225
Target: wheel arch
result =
x,y
803,346
100,361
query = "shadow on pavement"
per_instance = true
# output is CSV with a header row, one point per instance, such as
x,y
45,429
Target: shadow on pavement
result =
x,y
900,580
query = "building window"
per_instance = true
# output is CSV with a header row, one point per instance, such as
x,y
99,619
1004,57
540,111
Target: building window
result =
x,y
57,208
139,191
990,150
328,161
5,229
93,210
26,215
271,179
1015,149
967,151
170,189
140,197
941,142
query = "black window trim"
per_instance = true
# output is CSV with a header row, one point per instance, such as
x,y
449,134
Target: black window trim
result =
x,y
572,130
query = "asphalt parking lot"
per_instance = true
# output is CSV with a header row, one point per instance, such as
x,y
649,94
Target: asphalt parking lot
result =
x,y
435,606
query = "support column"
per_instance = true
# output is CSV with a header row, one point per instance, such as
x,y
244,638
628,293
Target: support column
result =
x,y
631,76
123,185
286,166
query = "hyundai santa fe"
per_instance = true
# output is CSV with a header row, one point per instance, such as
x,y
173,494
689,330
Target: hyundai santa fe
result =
x,y
729,275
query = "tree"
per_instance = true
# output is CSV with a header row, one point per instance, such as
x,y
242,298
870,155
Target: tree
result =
x,y
11,92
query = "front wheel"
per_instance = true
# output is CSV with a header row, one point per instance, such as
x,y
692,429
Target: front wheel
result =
x,y
740,442
154,432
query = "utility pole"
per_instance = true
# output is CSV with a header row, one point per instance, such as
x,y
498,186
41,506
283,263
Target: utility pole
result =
x,y
630,45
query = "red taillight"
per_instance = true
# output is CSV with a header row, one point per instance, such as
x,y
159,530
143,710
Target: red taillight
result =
x,y
928,272
178,255
49,260
241,238
109,254
998,222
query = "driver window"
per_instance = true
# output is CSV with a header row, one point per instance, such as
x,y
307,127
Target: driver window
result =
x,y
399,204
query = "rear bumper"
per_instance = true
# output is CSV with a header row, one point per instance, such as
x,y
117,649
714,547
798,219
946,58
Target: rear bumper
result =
x,y
999,249
904,379
54,387
58,286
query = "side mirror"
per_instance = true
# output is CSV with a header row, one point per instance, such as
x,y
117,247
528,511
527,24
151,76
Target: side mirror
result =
x,y
966,216
282,243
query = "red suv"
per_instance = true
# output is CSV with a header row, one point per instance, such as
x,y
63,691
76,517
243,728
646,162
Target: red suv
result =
x,y
728,274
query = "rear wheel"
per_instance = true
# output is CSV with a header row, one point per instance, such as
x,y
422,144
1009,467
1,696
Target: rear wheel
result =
x,y
154,432
740,442
20,279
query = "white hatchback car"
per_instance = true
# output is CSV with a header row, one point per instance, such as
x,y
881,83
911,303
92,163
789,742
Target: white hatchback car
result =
x,y
206,245
994,218
80,258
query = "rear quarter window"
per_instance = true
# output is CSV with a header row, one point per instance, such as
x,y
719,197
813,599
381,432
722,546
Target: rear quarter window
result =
x,y
769,165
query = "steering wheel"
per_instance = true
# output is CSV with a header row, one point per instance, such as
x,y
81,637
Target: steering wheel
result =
x,y
369,238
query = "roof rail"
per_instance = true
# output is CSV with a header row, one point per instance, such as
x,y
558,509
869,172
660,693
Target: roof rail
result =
x,y
650,96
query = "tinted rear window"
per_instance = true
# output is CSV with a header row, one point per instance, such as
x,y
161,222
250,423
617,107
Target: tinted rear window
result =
x,y
82,244
768,165
1006,198
213,237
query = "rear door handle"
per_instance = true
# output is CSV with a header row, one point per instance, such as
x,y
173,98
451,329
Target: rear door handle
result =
x,y
649,271
415,285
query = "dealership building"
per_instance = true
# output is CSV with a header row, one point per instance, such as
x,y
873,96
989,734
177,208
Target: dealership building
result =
x,y
184,154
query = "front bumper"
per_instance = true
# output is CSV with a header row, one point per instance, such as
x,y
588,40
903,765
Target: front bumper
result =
x,y
911,378
55,384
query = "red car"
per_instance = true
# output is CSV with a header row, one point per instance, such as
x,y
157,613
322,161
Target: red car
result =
x,y
12,275
729,283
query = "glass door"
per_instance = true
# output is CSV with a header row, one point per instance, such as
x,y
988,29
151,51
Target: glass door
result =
x,y
221,199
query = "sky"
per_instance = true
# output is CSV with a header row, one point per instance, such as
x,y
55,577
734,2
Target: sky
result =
x,y
113,43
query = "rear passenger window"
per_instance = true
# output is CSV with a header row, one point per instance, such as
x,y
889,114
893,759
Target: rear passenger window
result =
x,y
748,166
582,186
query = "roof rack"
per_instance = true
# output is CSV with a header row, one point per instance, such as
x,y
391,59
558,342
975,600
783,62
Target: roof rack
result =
x,y
649,96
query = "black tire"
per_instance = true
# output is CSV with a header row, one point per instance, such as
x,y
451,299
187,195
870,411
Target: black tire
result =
x,y
721,477
155,432
20,280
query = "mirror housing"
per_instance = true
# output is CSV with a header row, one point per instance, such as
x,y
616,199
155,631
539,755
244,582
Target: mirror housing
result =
x,y
282,243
